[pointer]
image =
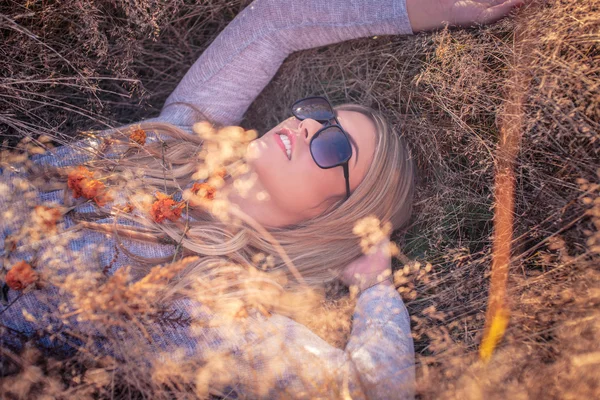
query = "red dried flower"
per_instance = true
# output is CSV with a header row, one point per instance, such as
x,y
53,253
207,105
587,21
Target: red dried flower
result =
x,y
92,188
83,185
21,275
204,191
138,136
75,179
165,208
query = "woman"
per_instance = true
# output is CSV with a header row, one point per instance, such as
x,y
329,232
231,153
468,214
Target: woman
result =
x,y
294,199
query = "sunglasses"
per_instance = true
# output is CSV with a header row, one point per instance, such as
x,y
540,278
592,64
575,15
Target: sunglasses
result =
x,y
330,146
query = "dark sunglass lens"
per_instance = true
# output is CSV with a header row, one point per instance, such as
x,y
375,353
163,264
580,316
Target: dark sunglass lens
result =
x,y
330,148
316,108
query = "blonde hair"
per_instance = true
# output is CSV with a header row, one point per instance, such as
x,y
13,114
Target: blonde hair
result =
x,y
319,248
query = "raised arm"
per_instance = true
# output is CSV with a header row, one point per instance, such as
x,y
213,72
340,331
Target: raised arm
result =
x,y
241,61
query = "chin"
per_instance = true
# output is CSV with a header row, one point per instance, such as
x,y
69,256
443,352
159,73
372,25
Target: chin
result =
x,y
255,151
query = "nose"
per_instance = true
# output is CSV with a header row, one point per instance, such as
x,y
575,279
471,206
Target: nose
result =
x,y
308,127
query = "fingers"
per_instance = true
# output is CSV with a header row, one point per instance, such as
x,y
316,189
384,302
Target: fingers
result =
x,y
496,12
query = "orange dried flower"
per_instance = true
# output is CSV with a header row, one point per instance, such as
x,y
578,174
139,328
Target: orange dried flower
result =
x,y
165,208
221,173
47,218
75,179
81,181
91,188
204,191
21,275
138,136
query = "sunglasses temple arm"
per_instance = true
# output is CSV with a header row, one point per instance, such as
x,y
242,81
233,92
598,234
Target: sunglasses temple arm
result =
x,y
347,177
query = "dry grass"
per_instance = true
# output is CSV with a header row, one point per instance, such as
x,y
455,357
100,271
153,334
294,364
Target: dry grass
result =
x,y
446,93
69,66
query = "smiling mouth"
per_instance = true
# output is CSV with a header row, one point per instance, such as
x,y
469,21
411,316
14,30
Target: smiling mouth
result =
x,y
287,142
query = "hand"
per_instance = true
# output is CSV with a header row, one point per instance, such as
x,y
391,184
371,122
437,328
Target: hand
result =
x,y
370,269
426,15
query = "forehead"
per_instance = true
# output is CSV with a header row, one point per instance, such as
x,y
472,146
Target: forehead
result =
x,y
363,132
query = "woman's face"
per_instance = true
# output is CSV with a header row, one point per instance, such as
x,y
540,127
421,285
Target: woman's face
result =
x,y
296,188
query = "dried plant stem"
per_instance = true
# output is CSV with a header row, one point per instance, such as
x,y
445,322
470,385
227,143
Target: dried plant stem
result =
x,y
497,314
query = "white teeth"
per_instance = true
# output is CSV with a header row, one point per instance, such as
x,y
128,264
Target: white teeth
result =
x,y
287,144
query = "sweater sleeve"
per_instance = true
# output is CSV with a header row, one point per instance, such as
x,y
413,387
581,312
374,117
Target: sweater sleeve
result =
x,y
381,346
234,69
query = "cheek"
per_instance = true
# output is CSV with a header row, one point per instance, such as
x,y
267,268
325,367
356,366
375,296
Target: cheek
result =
x,y
296,187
